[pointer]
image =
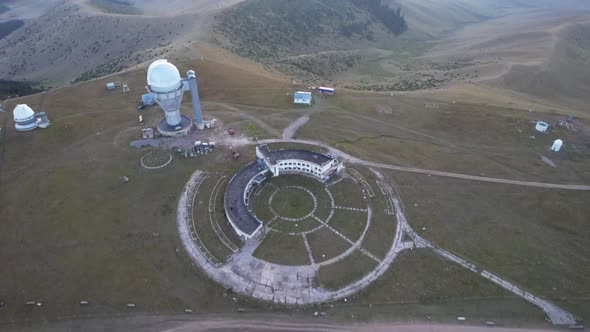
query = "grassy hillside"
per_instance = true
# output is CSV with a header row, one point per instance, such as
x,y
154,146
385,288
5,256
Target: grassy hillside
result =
x,y
357,44
315,40
68,41
305,38
264,29
564,77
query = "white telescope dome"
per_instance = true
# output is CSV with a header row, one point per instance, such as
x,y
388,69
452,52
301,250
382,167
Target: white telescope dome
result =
x,y
163,76
23,112
557,145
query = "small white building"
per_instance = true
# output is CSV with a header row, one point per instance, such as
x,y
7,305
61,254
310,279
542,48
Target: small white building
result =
x,y
557,145
302,98
542,127
290,161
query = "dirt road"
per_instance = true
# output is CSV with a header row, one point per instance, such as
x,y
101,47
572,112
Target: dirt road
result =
x,y
354,160
245,325
290,131
229,322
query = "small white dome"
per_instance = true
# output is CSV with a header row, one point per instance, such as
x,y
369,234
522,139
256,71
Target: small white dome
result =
x,y
163,76
23,112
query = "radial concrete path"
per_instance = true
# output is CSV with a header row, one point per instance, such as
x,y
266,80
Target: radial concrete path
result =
x,y
556,315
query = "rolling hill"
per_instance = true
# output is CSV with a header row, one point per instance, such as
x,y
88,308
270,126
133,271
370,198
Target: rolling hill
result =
x,y
79,39
353,43
564,76
318,41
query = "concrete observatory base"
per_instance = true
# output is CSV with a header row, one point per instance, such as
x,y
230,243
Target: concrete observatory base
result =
x,y
166,130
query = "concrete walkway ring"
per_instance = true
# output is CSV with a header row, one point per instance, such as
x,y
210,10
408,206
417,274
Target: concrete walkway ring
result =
x,y
309,215
143,164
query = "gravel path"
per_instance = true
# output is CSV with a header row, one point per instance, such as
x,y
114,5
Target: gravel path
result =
x,y
556,315
290,131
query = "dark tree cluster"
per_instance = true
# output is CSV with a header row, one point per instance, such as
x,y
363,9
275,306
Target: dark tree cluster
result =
x,y
8,27
391,18
12,89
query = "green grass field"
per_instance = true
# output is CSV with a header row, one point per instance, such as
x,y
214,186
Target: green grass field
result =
x,y
348,270
283,249
325,244
463,138
72,231
348,193
292,203
350,223
533,237
421,285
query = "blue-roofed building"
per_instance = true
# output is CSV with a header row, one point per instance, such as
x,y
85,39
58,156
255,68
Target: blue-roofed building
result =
x,y
302,98
148,99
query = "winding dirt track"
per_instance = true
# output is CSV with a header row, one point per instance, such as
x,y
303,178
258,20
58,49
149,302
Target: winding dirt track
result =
x,y
354,160
253,325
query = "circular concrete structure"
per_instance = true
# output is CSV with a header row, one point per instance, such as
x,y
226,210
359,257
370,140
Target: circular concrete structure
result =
x,y
145,165
183,128
246,273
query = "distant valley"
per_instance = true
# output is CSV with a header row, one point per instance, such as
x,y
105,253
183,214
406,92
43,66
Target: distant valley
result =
x,y
398,45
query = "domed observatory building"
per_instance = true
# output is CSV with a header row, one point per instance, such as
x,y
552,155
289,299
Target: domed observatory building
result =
x,y
165,84
24,118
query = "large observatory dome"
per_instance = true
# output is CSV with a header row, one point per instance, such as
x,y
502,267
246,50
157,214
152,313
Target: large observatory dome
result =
x,y
163,76
23,112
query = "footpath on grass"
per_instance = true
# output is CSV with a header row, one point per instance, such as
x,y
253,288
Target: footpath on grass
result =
x,y
354,160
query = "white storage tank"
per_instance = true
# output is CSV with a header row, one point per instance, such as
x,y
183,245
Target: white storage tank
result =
x,y
557,145
24,118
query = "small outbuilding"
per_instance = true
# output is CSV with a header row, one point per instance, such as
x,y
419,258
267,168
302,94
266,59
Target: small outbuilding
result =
x,y
148,99
326,91
302,98
542,127
147,133
557,145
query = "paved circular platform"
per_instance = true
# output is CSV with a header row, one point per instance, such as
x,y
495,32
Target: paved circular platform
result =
x,y
181,130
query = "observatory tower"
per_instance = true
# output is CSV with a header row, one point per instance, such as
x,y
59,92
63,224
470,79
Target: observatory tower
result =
x,y
192,80
167,88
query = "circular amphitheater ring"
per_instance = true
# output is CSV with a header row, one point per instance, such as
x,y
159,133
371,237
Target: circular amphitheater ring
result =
x,y
143,164
285,284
